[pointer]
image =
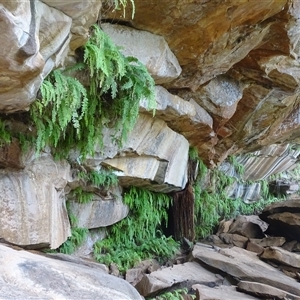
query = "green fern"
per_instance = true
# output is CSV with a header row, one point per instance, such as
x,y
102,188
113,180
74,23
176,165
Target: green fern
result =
x,y
126,243
103,178
81,196
172,295
76,239
70,116
5,135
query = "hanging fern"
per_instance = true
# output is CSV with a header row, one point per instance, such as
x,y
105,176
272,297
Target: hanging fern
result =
x,y
121,83
68,115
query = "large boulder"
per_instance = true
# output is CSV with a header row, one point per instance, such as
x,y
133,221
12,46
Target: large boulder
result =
x,y
154,157
151,49
83,13
32,204
284,218
24,275
34,41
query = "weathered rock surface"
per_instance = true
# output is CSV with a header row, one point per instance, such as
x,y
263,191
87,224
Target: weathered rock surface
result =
x,y
246,266
151,49
222,292
284,218
184,275
186,117
98,212
269,241
281,256
24,275
83,13
265,291
154,157
234,239
270,160
32,204
35,37
249,226
201,34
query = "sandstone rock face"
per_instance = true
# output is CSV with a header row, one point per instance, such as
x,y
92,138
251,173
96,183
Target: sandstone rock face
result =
x,y
34,40
186,117
154,157
33,204
201,34
221,293
246,266
98,213
281,256
25,275
37,39
242,68
152,50
83,13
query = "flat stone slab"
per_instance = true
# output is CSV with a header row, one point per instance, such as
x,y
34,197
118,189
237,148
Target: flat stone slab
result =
x,y
186,274
265,291
281,256
245,265
221,292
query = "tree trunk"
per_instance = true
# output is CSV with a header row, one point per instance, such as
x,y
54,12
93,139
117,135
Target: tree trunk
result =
x,y
183,214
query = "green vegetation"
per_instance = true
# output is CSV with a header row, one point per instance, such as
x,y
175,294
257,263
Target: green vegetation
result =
x,y
173,295
239,168
121,4
104,178
138,236
5,135
69,115
214,205
74,241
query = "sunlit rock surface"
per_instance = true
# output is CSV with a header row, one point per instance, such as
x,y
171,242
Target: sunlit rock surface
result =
x,y
151,49
34,35
83,13
32,204
24,275
157,157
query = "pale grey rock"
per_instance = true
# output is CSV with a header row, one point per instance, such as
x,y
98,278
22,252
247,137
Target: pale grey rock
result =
x,y
265,291
186,274
83,13
245,265
219,97
34,41
32,202
151,49
154,157
221,292
24,275
270,160
98,212
184,116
